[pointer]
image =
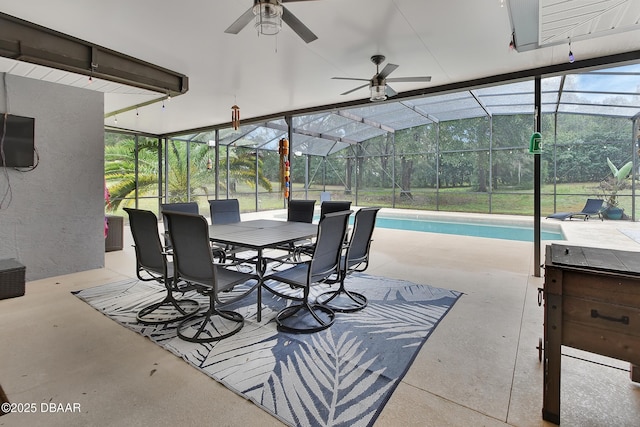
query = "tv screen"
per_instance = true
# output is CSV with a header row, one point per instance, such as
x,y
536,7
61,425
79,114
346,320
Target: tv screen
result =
x,y
17,147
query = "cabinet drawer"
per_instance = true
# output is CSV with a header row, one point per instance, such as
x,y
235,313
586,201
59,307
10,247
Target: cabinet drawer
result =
x,y
608,329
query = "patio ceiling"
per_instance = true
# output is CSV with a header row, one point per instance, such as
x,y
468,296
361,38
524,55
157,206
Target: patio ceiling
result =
x,y
464,46
613,92
453,41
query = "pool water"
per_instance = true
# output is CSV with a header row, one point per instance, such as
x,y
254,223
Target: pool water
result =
x,y
507,232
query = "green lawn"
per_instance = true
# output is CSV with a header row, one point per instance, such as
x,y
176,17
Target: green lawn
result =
x,y
570,197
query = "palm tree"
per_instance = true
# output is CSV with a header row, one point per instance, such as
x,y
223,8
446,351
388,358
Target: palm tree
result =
x,y
120,170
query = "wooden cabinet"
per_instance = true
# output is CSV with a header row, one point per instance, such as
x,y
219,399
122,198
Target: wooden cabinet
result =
x,y
591,302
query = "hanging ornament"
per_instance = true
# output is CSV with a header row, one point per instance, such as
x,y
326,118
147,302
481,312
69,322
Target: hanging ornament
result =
x,y
535,143
283,150
235,117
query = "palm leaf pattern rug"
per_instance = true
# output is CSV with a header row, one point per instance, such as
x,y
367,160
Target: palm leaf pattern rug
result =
x,y
342,376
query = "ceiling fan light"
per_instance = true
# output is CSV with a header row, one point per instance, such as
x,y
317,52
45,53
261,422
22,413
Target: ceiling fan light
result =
x,y
268,17
378,93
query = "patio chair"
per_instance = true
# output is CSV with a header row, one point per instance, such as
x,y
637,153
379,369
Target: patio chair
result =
x,y
152,265
224,211
189,207
592,207
303,315
186,207
355,259
298,211
301,210
326,207
329,206
194,263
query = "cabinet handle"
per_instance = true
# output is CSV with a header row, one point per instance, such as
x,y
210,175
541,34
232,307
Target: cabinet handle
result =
x,y
540,290
624,319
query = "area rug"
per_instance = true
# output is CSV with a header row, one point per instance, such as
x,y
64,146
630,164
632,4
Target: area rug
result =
x,y
342,376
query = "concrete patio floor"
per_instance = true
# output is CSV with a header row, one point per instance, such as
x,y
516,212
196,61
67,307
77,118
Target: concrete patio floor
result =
x,y
479,368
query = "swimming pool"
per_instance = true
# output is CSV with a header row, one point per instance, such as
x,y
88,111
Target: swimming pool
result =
x,y
486,229
475,225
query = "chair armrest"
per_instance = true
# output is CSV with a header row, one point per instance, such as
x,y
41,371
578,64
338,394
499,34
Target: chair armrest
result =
x,y
228,264
283,261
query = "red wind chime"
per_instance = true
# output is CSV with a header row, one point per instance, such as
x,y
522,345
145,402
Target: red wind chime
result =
x,y
285,172
235,117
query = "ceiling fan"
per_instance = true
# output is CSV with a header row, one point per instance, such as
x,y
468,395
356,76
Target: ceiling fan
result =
x,y
269,15
378,83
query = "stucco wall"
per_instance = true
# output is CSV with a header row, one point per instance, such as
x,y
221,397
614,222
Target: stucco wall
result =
x,y
53,223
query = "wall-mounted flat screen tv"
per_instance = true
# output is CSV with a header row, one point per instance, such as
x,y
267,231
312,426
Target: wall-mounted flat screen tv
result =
x,y
17,141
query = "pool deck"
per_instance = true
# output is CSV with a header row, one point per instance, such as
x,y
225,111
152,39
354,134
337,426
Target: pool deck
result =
x,y
479,367
592,232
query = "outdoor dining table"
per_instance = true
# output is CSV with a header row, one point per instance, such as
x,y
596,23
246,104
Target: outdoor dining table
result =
x,y
261,234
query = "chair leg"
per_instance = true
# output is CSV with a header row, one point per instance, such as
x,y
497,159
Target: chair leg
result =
x,y
305,318
342,300
212,325
168,310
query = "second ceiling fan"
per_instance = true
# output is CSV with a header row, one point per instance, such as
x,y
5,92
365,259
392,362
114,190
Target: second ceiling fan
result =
x,y
378,83
269,15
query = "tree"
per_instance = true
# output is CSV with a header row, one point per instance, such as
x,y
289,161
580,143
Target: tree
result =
x,y
120,171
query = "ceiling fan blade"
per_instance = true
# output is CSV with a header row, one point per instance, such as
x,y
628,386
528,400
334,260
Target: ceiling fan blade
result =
x,y
354,89
297,26
349,78
410,79
389,91
241,22
388,69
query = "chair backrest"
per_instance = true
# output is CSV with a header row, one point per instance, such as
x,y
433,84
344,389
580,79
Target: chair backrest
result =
x,y
144,228
593,206
188,207
301,210
328,248
334,206
192,257
224,211
360,242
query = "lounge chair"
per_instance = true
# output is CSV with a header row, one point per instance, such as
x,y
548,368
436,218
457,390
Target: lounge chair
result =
x,y
592,207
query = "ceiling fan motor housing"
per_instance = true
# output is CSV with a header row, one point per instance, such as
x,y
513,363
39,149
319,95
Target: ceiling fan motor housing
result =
x,y
378,59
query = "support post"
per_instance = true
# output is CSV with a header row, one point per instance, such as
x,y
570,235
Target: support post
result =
x,y
537,179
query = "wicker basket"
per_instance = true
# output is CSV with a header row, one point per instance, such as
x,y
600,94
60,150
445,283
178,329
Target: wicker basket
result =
x,y
11,278
114,239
